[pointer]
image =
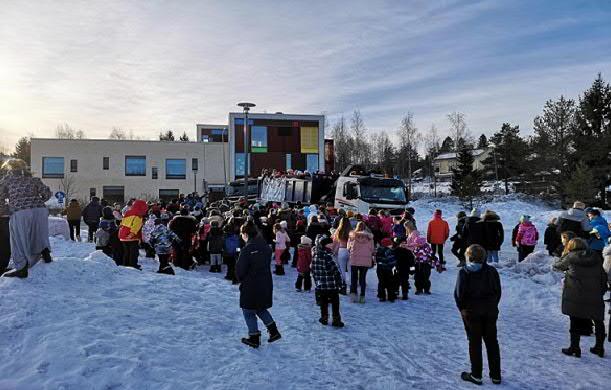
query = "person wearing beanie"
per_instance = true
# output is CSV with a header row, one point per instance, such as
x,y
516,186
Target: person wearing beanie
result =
x,y
574,220
458,246
406,265
162,241
304,260
473,231
106,237
493,235
526,237
437,234
477,295
386,262
328,281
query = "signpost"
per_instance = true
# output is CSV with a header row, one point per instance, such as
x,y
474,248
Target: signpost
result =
x,y
60,196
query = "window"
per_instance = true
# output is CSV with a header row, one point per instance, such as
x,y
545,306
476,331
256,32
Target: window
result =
x,y
53,167
105,163
288,162
258,142
113,194
309,140
213,135
135,165
154,173
73,165
312,163
240,163
92,192
240,121
175,168
194,164
168,194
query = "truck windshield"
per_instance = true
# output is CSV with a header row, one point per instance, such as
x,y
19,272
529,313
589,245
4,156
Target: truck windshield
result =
x,y
387,194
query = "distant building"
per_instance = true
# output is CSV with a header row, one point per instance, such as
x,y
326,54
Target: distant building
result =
x,y
444,163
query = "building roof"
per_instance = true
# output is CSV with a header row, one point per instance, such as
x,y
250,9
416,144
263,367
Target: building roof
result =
x,y
452,155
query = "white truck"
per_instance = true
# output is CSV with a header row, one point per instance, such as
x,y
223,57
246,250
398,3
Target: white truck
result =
x,y
352,190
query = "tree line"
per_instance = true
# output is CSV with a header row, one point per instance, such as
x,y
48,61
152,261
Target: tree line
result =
x,y
570,148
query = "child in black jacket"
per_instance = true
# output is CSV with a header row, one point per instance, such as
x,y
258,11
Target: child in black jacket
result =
x,y
328,280
405,266
386,262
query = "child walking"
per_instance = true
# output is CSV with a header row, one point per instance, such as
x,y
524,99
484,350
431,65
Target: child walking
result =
x,y
304,261
526,238
328,281
424,257
162,240
385,258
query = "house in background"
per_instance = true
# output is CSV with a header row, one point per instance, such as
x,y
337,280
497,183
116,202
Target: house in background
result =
x,y
444,163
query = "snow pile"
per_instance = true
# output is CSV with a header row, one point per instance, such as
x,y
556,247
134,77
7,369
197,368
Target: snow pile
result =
x,y
538,266
59,227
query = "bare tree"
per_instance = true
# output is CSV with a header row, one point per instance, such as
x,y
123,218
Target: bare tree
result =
x,y
361,152
458,129
117,133
66,132
341,144
409,138
432,146
69,186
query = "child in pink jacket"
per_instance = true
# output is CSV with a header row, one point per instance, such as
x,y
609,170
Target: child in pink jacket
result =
x,y
527,237
361,247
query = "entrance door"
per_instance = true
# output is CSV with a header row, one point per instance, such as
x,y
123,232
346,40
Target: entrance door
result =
x,y
114,194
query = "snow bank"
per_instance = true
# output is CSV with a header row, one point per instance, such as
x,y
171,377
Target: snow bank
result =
x,y
538,266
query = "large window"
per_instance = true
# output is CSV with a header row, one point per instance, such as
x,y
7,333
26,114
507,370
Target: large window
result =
x,y
175,168
53,167
194,164
312,163
73,165
258,142
135,165
309,140
168,194
113,194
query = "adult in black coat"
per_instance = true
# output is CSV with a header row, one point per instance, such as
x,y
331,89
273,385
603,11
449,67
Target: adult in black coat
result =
x,y
315,228
184,226
91,216
458,246
585,283
473,231
551,238
477,295
492,235
574,220
256,287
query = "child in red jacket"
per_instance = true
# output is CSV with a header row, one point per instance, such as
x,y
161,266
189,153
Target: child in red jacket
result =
x,y
304,261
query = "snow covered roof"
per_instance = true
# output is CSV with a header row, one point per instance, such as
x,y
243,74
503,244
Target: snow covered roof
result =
x,y
449,156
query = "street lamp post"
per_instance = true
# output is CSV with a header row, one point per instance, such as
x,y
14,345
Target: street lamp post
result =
x,y
246,107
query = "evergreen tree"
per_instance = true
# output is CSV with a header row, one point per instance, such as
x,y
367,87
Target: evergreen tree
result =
x,y
579,186
184,137
508,157
466,182
23,150
482,143
167,136
592,134
447,145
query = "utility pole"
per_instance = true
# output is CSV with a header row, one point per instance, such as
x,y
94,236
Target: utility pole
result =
x,y
246,107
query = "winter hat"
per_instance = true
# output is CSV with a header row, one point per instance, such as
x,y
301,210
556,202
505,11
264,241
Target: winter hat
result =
x,y
386,242
525,218
107,213
305,240
579,205
411,211
283,224
476,212
323,240
461,214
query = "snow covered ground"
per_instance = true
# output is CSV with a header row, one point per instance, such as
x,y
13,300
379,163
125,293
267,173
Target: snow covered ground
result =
x,y
83,323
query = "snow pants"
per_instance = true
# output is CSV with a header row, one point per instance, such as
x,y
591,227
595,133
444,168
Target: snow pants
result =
x,y
130,253
524,251
402,280
438,250
230,275
386,285
5,243
183,258
422,277
358,276
29,231
480,327
304,280
326,297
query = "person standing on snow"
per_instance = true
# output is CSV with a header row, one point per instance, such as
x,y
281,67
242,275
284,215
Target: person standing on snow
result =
x,y
599,235
493,235
585,283
473,231
5,236
328,281
29,221
73,216
458,246
526,237
361,247
91,216
424,257
256,286
551,238
437,234
341,251
185,227
477,295
130,232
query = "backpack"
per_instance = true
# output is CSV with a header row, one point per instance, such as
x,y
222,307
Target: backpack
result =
x,y
529,236
102,237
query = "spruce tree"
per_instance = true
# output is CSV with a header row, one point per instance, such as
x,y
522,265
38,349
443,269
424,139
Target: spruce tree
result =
x,y
579,186
184,137
23,150
466,182
508,157
447,145
482,143
167,136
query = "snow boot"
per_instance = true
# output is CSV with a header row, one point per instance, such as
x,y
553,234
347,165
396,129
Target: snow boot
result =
x,y
496,381
46,255
353,298
17,273
405,297
342,291
167,270
273,333
467,377
362,299
573,349
324,321
337,322
599,348
253,340
418,292
279,270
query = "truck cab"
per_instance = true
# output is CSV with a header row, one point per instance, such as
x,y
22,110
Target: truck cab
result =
x,y
361,193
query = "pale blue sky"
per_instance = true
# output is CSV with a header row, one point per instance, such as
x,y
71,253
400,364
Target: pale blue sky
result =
x,y
156,65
